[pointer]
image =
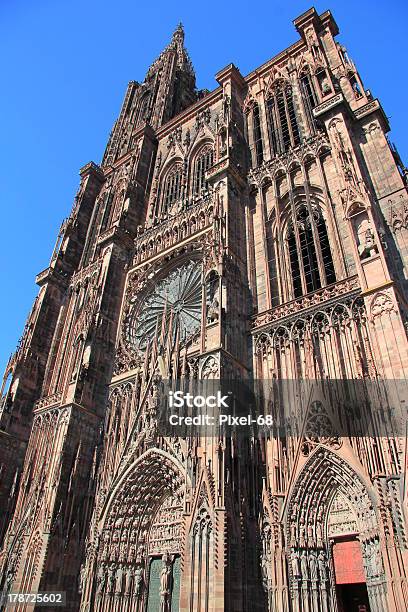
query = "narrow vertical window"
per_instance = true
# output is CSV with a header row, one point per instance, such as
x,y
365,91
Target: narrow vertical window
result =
x,y
172,188
304,261
283,125
203,163
143,108
272,126
326,252
294,264
309,97
257,131
108,211
292,118
308,251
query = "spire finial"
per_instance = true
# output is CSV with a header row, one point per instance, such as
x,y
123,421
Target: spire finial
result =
x,y
179,31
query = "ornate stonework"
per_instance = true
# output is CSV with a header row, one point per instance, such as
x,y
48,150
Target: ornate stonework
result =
x,y
258,231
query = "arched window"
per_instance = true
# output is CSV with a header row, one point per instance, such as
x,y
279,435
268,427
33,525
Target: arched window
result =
x,y
107,213
203,163
143,108
307,243
309,96
257,135
282,120
172,187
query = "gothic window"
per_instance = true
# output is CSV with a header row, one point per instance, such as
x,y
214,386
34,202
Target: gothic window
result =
x,y
108,202
257,134
323,81
282,120
172,187
325,251
143,108
355,87
306,245
6,397
309,96
201,561
177,299
203,163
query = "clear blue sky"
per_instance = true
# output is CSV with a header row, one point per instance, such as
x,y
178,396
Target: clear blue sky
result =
x,y
65,65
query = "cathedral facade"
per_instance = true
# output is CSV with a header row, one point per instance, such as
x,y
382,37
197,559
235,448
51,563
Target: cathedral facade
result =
x,y
256,231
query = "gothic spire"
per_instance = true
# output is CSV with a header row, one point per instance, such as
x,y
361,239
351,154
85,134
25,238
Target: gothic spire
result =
x,y
176,44
179,32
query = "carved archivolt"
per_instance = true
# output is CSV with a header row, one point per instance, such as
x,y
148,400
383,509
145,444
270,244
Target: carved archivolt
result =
x,y
317,488
323,475
141,518
133,503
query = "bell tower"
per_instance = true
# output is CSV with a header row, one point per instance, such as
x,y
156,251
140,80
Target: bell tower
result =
x,y
59,376
168,88
256,232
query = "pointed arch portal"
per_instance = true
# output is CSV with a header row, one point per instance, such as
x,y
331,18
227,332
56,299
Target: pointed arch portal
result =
x,y
318,542
140,538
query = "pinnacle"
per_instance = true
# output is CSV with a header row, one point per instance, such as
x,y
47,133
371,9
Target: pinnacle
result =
x,y
179,31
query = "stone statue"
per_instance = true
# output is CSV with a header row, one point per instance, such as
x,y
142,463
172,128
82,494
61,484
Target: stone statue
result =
x,y
357,90
101,580
319,531
213,310
265,572
293,533
111,578
302,535
303,565
9,579
82,573
325,86
138,580
226,107
378,566
165,579
370,246
295,563
321,559
313,566
118,581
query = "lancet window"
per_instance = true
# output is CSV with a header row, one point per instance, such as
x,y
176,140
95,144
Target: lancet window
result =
x,y
203,163
257,135
283,125
172,187
310,257
309,96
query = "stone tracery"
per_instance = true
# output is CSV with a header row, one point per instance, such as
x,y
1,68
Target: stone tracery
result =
x,y
199,523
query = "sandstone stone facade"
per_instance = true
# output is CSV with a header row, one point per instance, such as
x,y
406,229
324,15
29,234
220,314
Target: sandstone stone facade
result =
x,y
259,230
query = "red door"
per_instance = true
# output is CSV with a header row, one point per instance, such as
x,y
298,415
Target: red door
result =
x,y
350,579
